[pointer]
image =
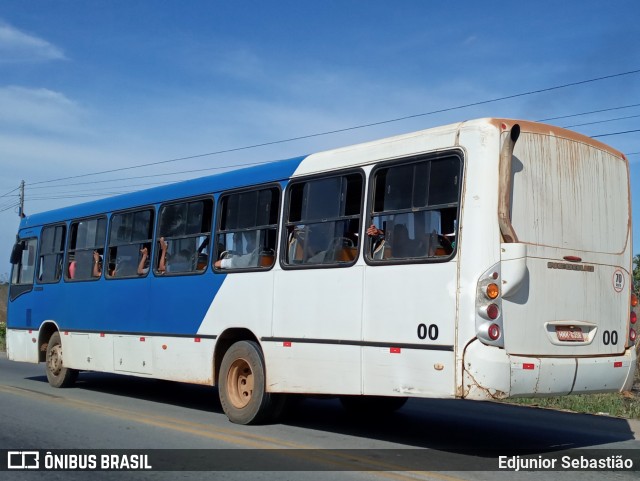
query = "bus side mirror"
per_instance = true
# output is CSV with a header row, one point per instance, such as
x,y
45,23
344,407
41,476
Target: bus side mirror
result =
x,y
16,253
513,267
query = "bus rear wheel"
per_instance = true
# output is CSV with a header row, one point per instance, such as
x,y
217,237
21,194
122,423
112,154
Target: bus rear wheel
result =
x,y
242,386
57,374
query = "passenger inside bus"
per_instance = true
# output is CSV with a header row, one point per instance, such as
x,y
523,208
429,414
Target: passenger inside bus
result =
x,y
250,258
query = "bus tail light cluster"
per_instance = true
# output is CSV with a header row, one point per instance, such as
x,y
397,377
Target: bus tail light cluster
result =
x,y
633,320
489,328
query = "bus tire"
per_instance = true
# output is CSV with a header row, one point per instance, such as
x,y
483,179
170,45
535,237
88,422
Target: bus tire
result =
x,y
368,405
242,386
57,374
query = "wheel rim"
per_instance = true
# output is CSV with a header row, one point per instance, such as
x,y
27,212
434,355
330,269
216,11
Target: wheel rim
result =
x,y
55,360
240,383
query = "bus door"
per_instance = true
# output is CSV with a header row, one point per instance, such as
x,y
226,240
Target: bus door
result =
x,y
21,304
317,313
411,282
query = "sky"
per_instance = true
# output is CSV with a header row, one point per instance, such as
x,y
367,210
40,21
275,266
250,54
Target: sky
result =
x,y
99,85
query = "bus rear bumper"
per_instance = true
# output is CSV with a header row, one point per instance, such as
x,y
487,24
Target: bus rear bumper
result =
x,y
491,373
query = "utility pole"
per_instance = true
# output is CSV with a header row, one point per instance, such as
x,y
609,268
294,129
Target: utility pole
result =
x,y
21,208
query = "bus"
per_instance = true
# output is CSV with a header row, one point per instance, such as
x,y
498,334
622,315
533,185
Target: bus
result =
x,y
486,259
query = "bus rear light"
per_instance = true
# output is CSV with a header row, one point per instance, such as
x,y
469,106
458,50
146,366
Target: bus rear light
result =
x,y
494,332
493,312
492,291
632,335
633,317
634,300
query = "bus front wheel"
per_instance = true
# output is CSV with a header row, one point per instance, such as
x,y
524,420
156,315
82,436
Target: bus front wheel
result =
x,y
57,374
242,386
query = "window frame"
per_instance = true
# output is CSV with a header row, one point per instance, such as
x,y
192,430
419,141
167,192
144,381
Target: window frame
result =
x,y
227,193
108,246
68,251
61,253
414,159
286,223
156,240
16,290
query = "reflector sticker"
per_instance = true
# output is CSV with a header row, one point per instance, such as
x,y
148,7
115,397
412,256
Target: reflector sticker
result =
x,y
395,350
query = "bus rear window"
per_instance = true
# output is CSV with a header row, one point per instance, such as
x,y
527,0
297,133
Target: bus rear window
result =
x,y
567,195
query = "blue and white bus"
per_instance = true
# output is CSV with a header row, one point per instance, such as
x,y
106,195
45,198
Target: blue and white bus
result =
x,y
482,260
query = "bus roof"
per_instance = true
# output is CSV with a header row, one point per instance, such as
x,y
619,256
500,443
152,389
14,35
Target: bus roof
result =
x,y
270,172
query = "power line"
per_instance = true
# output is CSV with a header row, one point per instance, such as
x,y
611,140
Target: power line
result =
x,y
615,133
73,196
347,129
589,113
247,164
601,121
98,193
16,204
11,191
98,190
13,202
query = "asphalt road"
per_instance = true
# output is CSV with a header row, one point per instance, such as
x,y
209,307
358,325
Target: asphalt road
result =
x,y
317,440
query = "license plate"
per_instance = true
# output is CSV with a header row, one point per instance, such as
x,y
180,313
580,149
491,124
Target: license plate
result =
x,y
570,334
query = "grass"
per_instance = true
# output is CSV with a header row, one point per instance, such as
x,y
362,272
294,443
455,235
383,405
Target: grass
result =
x,y
624,405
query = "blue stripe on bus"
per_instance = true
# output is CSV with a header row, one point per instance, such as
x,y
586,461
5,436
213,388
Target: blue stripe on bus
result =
x,y
171,304
275,171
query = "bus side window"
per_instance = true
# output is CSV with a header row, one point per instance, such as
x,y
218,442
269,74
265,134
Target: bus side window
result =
x,y
323,221
184,232
52,240
246,232
86,249
130,238
415,208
